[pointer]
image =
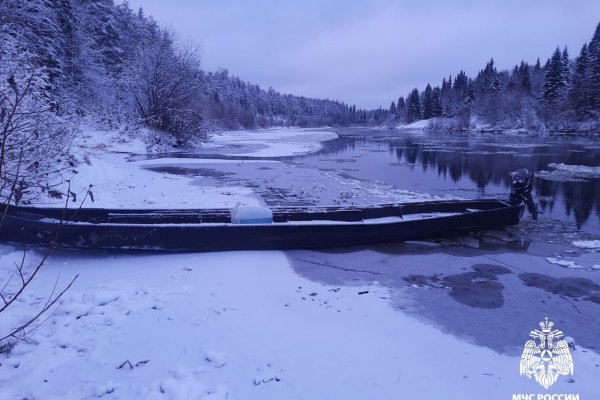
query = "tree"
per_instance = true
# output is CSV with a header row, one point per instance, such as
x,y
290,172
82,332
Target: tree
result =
x,y
555,79
400,109
446,96
580,96
427,102
436,102
460,92
413,107
166,88
594,70
32,143
525,78
33,138
537,79
565,67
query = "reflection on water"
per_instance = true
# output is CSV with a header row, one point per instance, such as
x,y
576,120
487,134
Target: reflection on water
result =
x,y
458,164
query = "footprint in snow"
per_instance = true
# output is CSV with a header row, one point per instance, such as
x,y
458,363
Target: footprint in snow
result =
x,y
216,359
270,377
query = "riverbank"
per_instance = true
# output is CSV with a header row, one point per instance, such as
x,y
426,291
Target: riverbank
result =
x,y
590,129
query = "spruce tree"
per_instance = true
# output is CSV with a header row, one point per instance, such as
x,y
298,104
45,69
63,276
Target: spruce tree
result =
x,y
413,107
401,103
594,61
554,79
446,96
436,102
525,79
579,95
400,108
427,102
565,67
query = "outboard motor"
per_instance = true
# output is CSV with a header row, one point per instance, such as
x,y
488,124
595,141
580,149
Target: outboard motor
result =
x,y
522,185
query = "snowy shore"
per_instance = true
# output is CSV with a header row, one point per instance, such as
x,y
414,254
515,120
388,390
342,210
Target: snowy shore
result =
x,y
235,325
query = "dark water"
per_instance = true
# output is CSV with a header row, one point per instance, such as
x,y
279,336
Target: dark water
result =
x,y
471,166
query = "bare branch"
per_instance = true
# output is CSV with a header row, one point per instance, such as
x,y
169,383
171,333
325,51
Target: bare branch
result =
x,y
21,328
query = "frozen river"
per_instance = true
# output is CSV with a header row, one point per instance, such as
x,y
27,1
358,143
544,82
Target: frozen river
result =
x,y
461,165
519,274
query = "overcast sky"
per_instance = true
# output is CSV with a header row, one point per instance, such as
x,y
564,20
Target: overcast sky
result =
x,y
369,52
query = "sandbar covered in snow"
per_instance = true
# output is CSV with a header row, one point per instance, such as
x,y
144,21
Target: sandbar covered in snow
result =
x,y
274,142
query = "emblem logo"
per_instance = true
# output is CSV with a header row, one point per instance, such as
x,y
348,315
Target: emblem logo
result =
x,y
543,359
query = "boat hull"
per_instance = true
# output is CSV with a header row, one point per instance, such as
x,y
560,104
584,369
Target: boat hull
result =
x,y
293,228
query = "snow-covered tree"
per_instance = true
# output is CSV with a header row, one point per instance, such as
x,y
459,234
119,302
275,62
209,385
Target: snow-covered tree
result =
x,y
413,106
555,80
166,87
427,102
580,96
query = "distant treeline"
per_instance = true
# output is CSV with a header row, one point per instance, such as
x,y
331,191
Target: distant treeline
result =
x,y
99,59
107,62
563,95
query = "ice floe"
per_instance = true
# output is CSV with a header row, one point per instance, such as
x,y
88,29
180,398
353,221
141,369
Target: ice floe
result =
x,y
563,263
569,173
587,244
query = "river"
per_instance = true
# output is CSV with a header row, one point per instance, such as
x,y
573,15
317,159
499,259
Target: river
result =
x,y
489,287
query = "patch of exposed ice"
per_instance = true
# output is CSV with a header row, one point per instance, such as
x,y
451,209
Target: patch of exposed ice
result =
x,y
189,162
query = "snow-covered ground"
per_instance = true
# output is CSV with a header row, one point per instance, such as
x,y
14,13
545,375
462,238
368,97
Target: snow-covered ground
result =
x,y
243,325
117,183
238,325
417,125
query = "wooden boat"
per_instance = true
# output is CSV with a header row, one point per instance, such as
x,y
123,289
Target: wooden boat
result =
x,y
289,228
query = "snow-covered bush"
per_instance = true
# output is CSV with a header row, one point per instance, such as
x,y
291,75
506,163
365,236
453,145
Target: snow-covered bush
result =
x,y
34,140
164,82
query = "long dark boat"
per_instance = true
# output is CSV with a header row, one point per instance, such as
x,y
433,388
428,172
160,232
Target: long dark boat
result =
x,y
255,228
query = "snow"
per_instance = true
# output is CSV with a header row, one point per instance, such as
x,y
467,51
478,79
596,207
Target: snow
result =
x,y
420,124
241,325
118,183
587,244
275,142
368,221
563,263
113,140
